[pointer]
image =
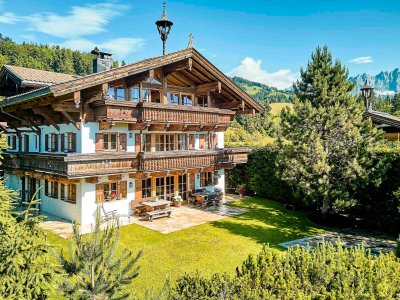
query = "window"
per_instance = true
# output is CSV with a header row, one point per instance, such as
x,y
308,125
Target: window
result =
x,y
12,141
51,142
146,188
191,142
182,142
205,178
182,187
135,94
147,142
116,93
68,142
187,100
110,141
165,187
173,98
165,142
202,100
68,193
160,187
51,189
110,191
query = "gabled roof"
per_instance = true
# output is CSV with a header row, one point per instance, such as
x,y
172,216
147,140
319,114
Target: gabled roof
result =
x,y
30,76
77,84
379,117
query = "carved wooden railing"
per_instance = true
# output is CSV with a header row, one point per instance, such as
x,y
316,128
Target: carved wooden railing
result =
x,y
70,165
109,110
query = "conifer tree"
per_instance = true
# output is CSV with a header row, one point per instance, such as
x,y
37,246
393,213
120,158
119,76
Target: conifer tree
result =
x,y
27,269
327,147
96,269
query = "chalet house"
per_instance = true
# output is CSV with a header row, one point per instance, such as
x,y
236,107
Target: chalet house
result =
x,y
151,128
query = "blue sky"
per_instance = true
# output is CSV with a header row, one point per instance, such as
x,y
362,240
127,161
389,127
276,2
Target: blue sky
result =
x,y
266,41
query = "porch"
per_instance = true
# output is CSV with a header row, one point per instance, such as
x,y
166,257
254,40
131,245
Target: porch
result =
x,y
182,217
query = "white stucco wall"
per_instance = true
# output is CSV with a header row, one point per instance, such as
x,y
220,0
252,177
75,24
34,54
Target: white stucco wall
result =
x,y
221,139
63,129
88,200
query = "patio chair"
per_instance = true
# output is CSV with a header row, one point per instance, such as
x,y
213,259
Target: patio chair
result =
x,y
108,215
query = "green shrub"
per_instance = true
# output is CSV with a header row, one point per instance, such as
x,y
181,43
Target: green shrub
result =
x,y
326,272
398,247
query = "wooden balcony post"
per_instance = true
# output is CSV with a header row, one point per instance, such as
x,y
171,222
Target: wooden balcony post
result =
x,y
140,91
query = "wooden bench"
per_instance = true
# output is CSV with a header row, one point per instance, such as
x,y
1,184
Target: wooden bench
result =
x,y
159,213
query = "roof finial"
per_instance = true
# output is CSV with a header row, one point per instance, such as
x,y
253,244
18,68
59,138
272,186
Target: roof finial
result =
x,y
164,15
191,42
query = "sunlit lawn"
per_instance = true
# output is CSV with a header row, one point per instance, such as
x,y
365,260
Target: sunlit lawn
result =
x,y
214,247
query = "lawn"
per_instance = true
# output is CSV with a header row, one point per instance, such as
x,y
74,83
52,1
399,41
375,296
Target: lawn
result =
x,y
214,247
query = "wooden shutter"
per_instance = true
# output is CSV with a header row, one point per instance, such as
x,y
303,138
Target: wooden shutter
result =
x,y
123,189
55,183
62,142
14,142
72,193
99,142
73,142
215,138
191,141
202,142
55,136
191,181
138,189
122,141
46,188
99,193
138,143
62,192
46,142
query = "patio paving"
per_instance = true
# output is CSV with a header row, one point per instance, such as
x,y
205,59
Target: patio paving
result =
x,y
182,217
374,241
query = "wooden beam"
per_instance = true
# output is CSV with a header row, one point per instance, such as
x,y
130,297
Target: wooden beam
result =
x,y
105,125
208,87
133,80
92,180
65,106
45,114
77,98
229,105
180,65
247,111
69,118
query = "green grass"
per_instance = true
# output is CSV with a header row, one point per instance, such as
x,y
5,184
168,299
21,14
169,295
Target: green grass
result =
x,y
213,247
276,108
251,90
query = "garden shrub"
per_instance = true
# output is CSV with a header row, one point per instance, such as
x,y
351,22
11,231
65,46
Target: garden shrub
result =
x,y
326,272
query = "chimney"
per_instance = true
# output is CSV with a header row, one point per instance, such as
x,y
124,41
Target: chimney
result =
x,y
102,61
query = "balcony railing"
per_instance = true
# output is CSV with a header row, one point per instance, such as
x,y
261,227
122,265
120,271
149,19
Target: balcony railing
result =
x,y
148,112
97,164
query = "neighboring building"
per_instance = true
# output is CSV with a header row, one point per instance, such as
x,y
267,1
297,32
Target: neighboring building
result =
x,y
390,124
151,128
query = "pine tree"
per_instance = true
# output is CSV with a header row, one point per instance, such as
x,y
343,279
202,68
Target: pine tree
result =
x,y
327,148
96,269
27,269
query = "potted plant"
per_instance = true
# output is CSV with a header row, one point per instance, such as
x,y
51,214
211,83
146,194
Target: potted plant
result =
x,y
177,201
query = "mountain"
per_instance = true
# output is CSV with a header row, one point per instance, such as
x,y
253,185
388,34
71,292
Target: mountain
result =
x,y
264,93
385,83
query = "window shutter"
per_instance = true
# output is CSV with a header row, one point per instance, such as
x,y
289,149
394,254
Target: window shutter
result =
x,y
46,188
138,189
14,138
122,141
192,182
55,189
99,142
99,193
123,189
55,137
138,143
46,142
72,194
201,138
62,142
215,140
73,142
62,193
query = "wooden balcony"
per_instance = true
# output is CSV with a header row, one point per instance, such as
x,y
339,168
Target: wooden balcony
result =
x,y
147,113
220,158
71,165
105,163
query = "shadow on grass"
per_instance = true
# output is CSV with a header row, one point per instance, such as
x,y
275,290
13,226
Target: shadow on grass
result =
x,y
267,222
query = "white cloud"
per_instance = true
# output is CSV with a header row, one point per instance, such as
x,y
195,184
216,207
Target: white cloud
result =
x,y
80,21
384,93
251,69
10,18
121,47
362,60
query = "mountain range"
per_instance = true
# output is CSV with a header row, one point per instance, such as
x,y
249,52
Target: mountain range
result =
x,y
384,83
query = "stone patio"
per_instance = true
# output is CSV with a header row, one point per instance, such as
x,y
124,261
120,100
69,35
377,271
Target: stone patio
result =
x,y
182,217
374,241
